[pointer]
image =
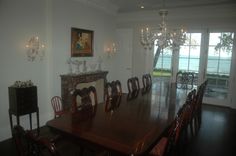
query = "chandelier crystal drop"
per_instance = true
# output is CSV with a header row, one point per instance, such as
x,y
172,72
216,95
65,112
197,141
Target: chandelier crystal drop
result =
x,y
163,36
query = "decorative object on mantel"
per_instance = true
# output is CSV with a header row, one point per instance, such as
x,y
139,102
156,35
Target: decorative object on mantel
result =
x,y
81,42
92,67
23,84
77,63
35,48
163,37
100,63
84,66
110,49
69,62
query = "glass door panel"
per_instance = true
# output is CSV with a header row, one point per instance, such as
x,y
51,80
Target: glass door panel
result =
x,y
162,68
218,65
189,55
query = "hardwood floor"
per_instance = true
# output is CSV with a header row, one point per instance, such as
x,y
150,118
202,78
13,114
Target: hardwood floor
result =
x,y
217,135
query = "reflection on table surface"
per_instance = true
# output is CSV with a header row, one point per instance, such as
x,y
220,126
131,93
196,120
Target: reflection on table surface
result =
x,y
132,126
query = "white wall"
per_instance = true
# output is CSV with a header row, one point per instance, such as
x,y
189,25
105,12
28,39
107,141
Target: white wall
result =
x,y
67,14
51,20
19,21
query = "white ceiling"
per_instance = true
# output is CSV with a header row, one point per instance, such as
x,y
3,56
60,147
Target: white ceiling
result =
x,y
135,5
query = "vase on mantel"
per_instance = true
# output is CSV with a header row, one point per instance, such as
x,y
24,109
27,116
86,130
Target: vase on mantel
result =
x,y
69,62
100,63
84,66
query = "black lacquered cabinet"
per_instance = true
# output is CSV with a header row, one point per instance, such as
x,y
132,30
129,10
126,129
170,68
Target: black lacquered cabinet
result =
x,y
23,101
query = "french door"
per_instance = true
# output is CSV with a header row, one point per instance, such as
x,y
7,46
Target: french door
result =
x,y
218,70
209,56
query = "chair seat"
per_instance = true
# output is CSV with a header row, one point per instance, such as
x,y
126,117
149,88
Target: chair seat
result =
x,y
160,147
59,113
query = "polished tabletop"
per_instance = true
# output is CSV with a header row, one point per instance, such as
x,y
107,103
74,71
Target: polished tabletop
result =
x,y
132,126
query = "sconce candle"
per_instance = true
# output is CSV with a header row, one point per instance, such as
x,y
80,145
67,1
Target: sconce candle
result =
x,y
34,49
111,49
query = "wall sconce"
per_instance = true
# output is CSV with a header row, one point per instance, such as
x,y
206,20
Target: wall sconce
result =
x,y
34,49
111,49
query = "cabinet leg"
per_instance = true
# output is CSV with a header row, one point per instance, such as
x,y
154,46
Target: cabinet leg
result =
x,y
11,124
18,120
38,121
30,118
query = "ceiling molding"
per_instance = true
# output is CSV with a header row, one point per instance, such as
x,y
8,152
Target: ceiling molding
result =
x,y
103,5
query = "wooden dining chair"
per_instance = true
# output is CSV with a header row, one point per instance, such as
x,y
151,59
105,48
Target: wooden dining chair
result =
x,y
29,144
118,87
184,80
85,111
168,143
88,98
133,84
147,82
197,114
57,106
113,92
113,89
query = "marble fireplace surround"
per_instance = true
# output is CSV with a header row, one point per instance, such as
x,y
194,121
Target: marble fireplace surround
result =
x,y
71,81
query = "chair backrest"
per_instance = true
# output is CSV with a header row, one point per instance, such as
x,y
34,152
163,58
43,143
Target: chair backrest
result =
x,y
28,144
133,84
88,98
57,106
113,89
112,103
147,80
113,92
118,88
185,79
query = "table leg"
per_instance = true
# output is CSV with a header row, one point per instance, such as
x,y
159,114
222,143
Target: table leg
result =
x,y
30,118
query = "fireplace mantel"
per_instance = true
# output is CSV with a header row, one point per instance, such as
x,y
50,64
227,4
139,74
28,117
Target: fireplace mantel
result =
x,y
70,81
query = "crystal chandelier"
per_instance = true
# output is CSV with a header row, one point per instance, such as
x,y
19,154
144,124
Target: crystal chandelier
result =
x,y
163,36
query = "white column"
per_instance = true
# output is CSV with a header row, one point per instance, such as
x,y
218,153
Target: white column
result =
x,y
174,64
149,60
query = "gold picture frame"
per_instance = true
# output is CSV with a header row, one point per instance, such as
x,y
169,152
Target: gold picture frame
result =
x,y
81,42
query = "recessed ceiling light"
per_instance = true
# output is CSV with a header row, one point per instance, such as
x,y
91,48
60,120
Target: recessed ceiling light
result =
x,y
142,7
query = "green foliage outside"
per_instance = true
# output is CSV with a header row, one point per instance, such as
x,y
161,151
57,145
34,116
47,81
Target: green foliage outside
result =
x,y
226,42
162,72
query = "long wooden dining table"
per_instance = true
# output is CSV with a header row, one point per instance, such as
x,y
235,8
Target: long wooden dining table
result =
x,y
130,128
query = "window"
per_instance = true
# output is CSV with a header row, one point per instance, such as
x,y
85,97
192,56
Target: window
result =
x,y
163,65
218,65
189,54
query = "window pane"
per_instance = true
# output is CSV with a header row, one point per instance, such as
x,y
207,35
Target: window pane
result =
x,y
195,51
189,54
183,63
195,39
212,52
214,38
184,51
212,65
218,66
193,64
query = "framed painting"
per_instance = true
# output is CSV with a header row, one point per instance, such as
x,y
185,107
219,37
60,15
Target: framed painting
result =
x,y
81,42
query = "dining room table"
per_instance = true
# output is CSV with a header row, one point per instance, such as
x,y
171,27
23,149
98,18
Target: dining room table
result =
x,y
131,126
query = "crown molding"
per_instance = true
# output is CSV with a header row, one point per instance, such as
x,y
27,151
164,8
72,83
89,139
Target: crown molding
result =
x,y
103,5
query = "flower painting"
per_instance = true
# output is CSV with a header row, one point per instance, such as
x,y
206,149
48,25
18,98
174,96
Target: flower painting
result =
x,y
81,42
